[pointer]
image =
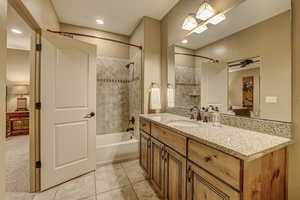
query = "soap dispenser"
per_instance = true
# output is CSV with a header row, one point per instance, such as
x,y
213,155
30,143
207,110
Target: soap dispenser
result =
x,y
216,117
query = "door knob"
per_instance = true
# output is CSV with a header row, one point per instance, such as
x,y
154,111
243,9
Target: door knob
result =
x,y
90,115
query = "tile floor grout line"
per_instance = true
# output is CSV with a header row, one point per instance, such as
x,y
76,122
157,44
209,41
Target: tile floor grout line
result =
x,y
55,193
95,181
113,188
131,184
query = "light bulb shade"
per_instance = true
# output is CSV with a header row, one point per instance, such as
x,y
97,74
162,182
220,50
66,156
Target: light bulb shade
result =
x,y
200,29
19,90
205,11
217,19
189,23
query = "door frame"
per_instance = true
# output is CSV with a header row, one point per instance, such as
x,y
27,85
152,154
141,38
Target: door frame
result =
x,y
34,127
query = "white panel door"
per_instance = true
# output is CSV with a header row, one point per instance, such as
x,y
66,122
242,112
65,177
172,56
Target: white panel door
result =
x,y
214,85
68,97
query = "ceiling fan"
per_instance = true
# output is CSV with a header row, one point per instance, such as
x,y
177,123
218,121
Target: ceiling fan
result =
x,y
244,63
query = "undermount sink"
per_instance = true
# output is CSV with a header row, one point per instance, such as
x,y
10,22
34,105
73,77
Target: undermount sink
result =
x,y
184,123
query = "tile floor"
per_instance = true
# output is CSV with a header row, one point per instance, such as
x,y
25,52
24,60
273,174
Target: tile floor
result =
x,y
123,181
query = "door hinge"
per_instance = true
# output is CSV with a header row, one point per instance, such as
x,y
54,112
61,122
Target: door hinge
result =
x,y
38,105
38,164
38,47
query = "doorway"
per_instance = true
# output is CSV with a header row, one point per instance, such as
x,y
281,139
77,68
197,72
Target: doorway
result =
x,y
17,143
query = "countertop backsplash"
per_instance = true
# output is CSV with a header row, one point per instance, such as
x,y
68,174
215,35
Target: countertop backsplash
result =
x,y
282,129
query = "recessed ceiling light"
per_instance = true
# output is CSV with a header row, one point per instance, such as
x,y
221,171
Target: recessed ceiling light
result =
x,y
99,21
17,31
184,41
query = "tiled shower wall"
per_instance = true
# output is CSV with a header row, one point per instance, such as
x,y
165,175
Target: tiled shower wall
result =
x,y
187,80
117,94
112,96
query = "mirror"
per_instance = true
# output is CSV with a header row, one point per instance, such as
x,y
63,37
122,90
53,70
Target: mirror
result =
x,y
241,65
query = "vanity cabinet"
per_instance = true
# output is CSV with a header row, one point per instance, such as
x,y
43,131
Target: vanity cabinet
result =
x,y
203,186
145,147
222,165
157,166
182,168
175,175
168,171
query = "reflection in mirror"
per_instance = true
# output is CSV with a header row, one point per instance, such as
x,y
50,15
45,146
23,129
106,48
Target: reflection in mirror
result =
x,y
243,87
242,65
187,83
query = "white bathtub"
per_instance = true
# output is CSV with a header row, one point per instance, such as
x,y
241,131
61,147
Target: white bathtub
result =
x,y
115,147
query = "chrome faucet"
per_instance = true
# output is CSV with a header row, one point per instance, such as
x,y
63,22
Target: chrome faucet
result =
x,y
198,117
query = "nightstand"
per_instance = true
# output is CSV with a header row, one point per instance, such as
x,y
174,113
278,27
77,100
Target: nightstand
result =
x,y
17,123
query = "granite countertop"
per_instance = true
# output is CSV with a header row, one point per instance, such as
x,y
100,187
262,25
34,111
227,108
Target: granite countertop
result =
x,y
243,144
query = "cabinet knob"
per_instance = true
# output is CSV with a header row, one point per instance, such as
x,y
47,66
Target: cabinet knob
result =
x,y
162,153
207,158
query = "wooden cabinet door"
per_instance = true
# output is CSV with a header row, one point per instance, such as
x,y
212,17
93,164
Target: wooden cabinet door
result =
x,y
157,166
175,175
203,186
145,152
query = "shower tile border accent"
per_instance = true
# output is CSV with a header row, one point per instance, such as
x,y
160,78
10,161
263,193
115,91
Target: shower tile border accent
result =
x,y
271,127
112,81
117,80
277,128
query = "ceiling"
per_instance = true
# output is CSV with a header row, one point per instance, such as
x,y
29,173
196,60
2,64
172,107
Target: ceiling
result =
x,y
120,16
247,14
17,41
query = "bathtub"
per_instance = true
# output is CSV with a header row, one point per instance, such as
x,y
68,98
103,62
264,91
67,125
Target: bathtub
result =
x,y
115,147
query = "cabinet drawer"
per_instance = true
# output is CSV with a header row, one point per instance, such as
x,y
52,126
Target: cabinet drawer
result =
x,y
222,165
202,185
145,125
174,140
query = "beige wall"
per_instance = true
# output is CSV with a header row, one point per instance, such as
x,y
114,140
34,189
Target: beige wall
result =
x,y
18,66
152,57
214,77
236,88
183,60
43,12
271,40
104,48
18,72
3,14
137,37
147,34
294,150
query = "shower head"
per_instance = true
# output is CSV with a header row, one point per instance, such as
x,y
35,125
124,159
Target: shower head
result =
x,y
128,65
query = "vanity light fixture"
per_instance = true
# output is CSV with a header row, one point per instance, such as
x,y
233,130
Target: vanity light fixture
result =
x,y
99,21
184,41
200,29
217,19
205,11
17,31
190,22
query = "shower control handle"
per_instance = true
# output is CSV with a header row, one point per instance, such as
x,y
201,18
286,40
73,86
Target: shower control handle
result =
x,y
90,115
